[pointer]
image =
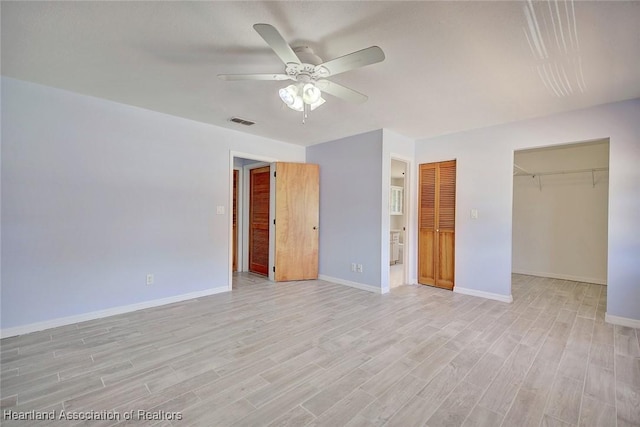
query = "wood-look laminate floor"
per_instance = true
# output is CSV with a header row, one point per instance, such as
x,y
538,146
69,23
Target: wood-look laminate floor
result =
x,y
316,353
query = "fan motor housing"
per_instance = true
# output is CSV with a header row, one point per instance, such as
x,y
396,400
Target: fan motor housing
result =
x,y
307,70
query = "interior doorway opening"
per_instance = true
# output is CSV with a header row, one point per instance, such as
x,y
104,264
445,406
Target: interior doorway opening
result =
x,y
560,212
274,221
241,165
398,223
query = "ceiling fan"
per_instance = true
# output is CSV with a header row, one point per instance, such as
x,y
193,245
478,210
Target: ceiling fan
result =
x,y
309,72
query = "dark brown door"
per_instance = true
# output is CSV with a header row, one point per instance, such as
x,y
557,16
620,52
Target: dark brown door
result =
x,y
436,219
235,221
297,215
259,183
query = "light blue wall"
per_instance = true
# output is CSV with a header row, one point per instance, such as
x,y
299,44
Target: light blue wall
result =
x,y
96,194
485,183
350,206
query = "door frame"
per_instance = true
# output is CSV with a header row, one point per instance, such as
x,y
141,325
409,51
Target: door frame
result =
x,y
406,200
265,160
410,215
239,211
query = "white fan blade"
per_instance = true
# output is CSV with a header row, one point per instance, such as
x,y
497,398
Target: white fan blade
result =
x,y
253,77
340,91
361,58
277,43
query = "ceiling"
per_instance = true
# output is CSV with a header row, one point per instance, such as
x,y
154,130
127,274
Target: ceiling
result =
x,y
449,67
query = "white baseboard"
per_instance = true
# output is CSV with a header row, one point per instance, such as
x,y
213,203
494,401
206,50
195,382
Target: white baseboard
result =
x,y
622,321
62,321
562,277
482,294
351,284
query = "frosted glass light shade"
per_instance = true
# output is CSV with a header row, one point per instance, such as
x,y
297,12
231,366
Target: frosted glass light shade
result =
x,y
297,105
310,93
288,94
316,104
297,95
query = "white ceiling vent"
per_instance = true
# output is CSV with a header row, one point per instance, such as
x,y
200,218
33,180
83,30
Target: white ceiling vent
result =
x,y
242,121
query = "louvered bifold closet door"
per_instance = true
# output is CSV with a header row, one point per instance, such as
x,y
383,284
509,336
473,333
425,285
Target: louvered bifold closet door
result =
x,y
445,231
436,239
259,193
427,225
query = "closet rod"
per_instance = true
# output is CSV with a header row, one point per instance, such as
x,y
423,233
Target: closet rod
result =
x,y
539,175
534,174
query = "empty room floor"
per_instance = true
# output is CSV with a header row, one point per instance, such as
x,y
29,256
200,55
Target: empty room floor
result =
x,y
316,353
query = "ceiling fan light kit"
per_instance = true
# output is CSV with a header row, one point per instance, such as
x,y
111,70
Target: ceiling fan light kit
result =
x,y
298,95
309,72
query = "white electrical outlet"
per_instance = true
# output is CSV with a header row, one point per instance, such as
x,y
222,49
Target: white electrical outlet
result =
x,y
359,268
353,266
149,279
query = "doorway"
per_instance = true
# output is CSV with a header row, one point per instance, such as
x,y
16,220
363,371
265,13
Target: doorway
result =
x,y
288,251
397,223
560,212
241,164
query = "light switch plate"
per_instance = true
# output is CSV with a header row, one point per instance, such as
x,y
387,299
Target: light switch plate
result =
x,y
474,213
220,210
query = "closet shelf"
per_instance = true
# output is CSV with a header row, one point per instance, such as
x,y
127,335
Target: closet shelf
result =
x,y
538,175
562,172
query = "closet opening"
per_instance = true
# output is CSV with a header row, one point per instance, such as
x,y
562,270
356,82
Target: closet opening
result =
x,y
560,215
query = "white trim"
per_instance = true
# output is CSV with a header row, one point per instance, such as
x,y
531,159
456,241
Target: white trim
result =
x,y
482,294
271,266
562,277
407,213
63,321
351,284
239,218
622,321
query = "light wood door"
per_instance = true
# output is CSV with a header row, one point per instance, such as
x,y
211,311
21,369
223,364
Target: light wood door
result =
x,y
297,201
436,219
234,242
259,189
